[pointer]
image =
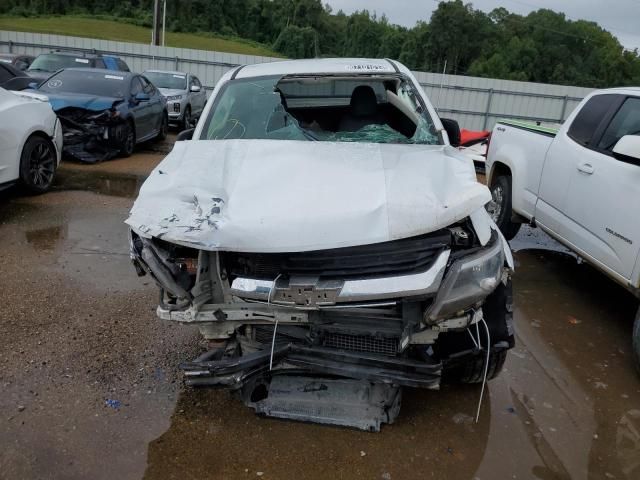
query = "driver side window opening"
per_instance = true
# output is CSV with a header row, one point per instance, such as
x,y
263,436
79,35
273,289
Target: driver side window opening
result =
x,y
625,122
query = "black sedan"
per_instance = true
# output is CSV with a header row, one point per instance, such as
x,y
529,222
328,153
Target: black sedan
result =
x,y
18,60
104,113
13,79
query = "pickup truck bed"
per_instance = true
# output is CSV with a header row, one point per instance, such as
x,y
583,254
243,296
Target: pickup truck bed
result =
x,y
537,127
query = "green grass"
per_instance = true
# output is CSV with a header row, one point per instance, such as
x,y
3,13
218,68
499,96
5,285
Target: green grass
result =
x,y
121,31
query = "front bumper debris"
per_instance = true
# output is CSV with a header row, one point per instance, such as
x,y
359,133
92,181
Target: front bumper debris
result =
x,y
91,137
346,403
236,372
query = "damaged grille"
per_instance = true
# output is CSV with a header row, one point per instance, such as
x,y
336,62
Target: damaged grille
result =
x,y
395,257
285,334
362,343
341,341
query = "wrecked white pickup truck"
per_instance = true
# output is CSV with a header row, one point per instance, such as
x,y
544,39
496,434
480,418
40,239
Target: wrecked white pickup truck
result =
x,y
327,241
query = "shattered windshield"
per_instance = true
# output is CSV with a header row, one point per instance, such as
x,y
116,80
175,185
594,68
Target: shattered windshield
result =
x,y
331,109
174,81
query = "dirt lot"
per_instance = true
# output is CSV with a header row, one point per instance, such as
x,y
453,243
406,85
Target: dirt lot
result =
x,y
90,387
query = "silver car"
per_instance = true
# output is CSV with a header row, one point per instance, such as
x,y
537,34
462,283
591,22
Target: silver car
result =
x,y
185,95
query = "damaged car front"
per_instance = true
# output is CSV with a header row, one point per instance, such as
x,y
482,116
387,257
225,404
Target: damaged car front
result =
x,y
328,243
104,113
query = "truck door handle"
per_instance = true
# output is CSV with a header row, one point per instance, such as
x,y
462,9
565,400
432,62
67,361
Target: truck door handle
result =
x,y
586,168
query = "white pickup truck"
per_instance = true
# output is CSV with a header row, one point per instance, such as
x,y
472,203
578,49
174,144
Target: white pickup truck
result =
x,y
580,183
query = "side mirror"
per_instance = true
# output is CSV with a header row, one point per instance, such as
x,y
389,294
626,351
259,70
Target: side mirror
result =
x,y
142,97
628,149
33,85
453,131
195,88
185,135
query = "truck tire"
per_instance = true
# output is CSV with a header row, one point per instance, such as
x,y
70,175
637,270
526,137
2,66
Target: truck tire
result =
x,y
473,370
463,364
500,206
636,341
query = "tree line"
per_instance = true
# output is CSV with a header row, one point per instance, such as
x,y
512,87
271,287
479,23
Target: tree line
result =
x,y
543,46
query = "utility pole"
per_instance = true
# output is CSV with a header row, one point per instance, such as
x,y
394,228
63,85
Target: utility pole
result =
x,y
157,22
164,21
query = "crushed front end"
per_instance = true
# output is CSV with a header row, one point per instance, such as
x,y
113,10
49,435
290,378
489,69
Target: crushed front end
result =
x,y
92,136
403,313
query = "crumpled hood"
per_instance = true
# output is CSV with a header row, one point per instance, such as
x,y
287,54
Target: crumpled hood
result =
x,y
88,102
286,196
170,92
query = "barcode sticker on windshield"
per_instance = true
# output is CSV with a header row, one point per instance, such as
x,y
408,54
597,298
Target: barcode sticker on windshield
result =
x,y
365,67
179,76
114,77
82,60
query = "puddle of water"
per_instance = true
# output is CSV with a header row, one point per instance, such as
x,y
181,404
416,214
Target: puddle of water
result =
x,y
46,238
117,185
213,435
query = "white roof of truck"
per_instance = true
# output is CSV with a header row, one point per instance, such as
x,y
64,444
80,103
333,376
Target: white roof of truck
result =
x,y
322,66
619,90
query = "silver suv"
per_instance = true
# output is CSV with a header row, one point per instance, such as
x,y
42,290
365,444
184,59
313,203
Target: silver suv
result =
x,y
184,93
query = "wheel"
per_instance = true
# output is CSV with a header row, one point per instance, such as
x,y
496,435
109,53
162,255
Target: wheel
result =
x,y
636,341
38,163
164,128
129,140
186,118
472,371
462,361
500,206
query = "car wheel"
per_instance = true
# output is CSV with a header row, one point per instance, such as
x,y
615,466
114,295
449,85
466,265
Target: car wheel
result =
x,y
186,118
636,341
129,140
462,361
499,207
38,164
164,128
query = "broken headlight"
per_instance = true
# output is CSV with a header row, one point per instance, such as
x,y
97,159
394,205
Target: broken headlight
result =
x,y
469,280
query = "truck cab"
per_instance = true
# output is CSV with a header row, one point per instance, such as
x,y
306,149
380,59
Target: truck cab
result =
x,y
580,182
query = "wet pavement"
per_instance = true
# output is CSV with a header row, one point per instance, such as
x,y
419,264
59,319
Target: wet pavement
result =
x,y
90,387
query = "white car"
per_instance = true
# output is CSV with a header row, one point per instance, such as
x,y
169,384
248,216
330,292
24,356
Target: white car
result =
x,y
579,183
319,225
30,141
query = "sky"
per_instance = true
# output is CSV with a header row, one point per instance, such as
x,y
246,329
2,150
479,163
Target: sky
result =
x,y
620,17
